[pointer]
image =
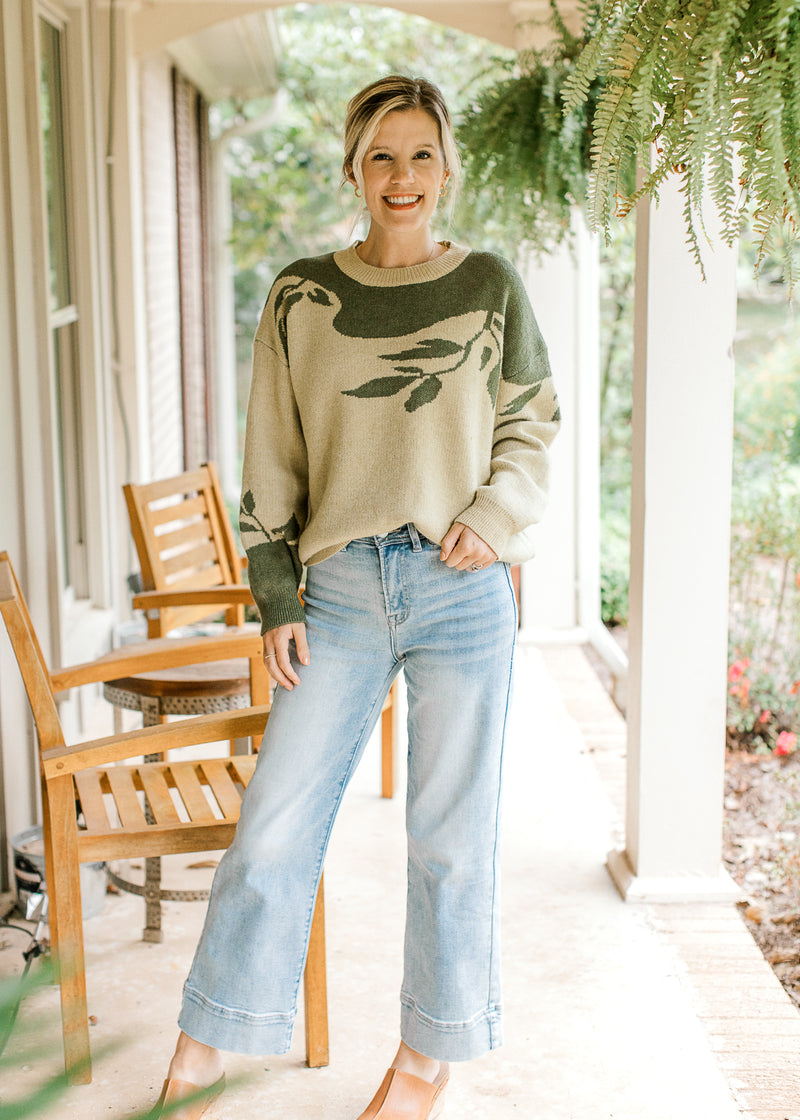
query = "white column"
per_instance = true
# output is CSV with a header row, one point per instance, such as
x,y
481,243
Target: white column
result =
x,y
560,586
680,530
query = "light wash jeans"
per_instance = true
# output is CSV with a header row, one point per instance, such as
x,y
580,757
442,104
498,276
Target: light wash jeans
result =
x,y
381,604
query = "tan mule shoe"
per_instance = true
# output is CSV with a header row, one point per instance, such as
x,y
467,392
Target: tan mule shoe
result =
x,y
402,1096
174,1091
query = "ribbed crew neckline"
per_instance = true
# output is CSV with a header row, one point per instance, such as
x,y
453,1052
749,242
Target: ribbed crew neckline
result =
x,y
352,265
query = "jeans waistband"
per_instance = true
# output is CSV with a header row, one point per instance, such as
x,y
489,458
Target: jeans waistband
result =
x,y
402,535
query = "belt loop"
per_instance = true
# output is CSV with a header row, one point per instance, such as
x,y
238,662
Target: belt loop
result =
x,y
414,535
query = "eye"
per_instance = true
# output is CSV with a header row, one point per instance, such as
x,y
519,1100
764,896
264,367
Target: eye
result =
x,y
380,155
423,154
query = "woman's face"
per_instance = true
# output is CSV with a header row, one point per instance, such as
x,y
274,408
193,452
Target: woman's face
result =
x,y
403,171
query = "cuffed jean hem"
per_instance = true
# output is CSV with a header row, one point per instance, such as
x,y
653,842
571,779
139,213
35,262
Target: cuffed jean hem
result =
x,y
238,1031
450,1042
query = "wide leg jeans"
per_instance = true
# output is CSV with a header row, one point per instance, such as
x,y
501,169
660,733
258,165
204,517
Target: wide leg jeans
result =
x,y
380,605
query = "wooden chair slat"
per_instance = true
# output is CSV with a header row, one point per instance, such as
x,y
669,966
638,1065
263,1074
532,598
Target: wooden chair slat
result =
x,y
185,509
196,581
93,805
191,791
187,482
185,535
120,779
222,786
158,796
201,556
241,767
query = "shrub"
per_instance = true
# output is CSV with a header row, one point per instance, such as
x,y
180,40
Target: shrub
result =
x,y
614,569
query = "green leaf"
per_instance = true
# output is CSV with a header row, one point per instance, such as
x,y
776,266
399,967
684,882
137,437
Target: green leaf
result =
x,y
248,502
425,392
493,384
519,402
428,348
319,295
486,354
379,387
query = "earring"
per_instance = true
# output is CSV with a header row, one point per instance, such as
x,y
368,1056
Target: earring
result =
x,y
443,190
358,193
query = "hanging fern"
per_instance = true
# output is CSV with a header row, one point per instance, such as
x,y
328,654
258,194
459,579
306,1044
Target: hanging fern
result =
x,y
525,157
708,90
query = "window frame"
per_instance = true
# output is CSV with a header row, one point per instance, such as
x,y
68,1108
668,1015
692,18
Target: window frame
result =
x,y
76,443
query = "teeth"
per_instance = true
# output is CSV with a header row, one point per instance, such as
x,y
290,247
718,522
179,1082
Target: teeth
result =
x,y
403,199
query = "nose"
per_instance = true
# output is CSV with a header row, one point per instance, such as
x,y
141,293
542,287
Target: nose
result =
x,y
403,172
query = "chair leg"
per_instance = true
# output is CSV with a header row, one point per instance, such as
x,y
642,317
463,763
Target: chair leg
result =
x,y
387,745
316,989
259,690
66,925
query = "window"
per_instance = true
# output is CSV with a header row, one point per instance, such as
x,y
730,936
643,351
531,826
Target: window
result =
x,y
63,312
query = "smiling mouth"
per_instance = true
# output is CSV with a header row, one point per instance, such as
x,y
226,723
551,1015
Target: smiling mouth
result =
x,y
402,201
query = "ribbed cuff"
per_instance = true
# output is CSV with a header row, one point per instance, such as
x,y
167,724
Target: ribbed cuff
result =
x,y
490,521
283,610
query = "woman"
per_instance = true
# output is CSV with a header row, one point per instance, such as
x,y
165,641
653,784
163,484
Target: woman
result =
x,y
399,418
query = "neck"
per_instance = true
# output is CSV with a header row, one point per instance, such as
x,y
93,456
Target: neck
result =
x,y
383,252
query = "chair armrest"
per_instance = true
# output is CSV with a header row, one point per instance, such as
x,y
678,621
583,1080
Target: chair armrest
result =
x,y
243,560
241,724
158,653
224,595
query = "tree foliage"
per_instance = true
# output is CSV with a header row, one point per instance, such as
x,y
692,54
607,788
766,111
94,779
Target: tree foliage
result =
x,y
712,88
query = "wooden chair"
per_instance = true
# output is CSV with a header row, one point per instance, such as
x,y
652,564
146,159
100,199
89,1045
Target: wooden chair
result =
x,y
94,796
191,568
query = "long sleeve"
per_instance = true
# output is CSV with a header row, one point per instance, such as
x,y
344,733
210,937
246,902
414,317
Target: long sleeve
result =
x,y
274,482
527,419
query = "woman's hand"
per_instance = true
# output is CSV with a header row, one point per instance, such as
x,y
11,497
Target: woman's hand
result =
x,y
276,652
465,550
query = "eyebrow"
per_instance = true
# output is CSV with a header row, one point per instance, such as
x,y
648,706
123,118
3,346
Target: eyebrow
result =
x,y
385,147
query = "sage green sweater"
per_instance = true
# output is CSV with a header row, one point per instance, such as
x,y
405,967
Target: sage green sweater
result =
x,y
382,396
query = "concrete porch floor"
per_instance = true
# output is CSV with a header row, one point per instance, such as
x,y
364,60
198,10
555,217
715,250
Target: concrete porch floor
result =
x,y
613,1011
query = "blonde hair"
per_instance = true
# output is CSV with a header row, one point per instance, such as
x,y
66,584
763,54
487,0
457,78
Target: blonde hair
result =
x,y
396,93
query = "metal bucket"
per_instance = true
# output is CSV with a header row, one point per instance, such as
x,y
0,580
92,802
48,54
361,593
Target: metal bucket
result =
x,y
28,851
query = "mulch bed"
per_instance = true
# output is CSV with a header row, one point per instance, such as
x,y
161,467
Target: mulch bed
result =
x,y
761,849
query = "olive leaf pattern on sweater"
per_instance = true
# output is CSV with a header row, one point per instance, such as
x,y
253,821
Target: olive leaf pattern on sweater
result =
x,y
421,365
424,363
249,523
292,293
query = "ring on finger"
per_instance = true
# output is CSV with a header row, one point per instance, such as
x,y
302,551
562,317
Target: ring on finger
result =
x,y
475,567
268,655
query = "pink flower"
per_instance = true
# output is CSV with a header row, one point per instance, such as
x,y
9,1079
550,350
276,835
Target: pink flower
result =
x,y
787,741
738,668
795,688
765,716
